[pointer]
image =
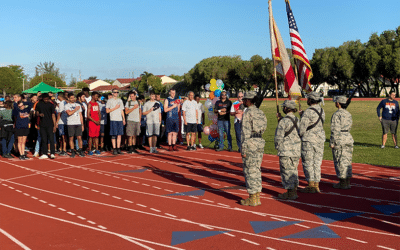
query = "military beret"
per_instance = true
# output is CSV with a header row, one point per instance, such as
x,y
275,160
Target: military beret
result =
x,y
314,96
249,95
289,104
340,99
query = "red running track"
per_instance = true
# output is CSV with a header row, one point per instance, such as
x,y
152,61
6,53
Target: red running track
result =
x,y
188,200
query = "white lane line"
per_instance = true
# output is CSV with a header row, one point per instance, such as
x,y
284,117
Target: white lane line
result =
x,y
144,184
269,248
105,194
91,222
170,215
168,190
102,227
155,210
251,242
71,213
117,177
156,187
95,190
107,174
125,179
52,205
85,187
19,191
62,209
230,234
277,219
302,225
356,240
33,197
116,197
205,226
215,184
76,184
66,181
11,187
223,204
208,200
27,194
4,185
128,201
386,247
194,197
140,205
59,179
82,218
42,201
19,243
135,182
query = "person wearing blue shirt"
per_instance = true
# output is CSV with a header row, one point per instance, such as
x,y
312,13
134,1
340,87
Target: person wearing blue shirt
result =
x,y
22,125
389,118
171,108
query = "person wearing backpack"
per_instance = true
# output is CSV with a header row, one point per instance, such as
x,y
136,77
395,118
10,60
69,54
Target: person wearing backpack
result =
x,y
313,138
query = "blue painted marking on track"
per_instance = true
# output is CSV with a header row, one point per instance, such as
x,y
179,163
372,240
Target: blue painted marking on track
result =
x,y
387,209
333,217
263,226
314,233
180,237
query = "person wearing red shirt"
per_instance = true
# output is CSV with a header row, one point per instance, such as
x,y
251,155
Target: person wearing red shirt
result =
x,y
93,117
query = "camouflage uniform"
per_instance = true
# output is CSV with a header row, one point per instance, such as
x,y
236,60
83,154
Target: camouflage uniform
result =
x,y
254,124
288,151
341,142
312,150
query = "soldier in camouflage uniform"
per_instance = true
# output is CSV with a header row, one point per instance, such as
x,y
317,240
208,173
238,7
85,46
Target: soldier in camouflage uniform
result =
x,y
288,144
254,124
313,137
341,143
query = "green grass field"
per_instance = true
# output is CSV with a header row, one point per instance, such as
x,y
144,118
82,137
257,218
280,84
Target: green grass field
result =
x,y
366,131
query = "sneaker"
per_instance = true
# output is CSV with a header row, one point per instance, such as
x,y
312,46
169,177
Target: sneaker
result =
x,y
26,157
22,157
219,149
155,151
5,156
81,153
115,152
44,156
91,152
36,154
383,146
57,152
97,152
10,156
119,151
396,147
194,147
151,150
130,150
63,153
72,154
52,156
201,146
189,148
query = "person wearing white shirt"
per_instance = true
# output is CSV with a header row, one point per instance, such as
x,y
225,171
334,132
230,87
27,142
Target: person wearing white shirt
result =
x,y
190,118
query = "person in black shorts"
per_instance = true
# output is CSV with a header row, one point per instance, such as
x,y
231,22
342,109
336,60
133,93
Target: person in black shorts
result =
x,y
22,123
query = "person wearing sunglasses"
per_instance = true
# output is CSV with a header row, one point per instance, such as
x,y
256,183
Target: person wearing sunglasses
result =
x,y
222,108
115,107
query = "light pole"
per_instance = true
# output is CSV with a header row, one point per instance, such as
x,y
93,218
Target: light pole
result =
x,y
23,82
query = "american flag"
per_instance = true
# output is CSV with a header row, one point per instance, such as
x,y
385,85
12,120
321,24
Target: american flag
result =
x,y
299,53
281,59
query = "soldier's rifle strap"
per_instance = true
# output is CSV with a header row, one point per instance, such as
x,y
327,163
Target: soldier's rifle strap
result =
x,y
319,119
294,126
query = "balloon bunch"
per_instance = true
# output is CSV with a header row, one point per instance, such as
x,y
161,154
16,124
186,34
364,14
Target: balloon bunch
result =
x,y
215,87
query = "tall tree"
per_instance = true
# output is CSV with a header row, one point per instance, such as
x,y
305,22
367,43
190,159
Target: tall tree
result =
x,y
49,79
9,82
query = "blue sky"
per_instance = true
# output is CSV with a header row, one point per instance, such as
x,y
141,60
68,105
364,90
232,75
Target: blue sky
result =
x,y
112,39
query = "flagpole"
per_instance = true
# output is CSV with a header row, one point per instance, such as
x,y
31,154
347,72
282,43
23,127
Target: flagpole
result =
x,y
273,58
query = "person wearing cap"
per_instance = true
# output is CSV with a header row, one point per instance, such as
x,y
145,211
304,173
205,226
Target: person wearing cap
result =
x,y
152,111
254,124
342,142
115,107
288,144
313,138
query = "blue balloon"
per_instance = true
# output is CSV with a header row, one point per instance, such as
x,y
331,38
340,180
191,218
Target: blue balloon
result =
x,y
210,109
217,93
211,139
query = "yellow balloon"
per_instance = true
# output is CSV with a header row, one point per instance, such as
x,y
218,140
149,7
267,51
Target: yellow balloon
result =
x,y
213,82
213,87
